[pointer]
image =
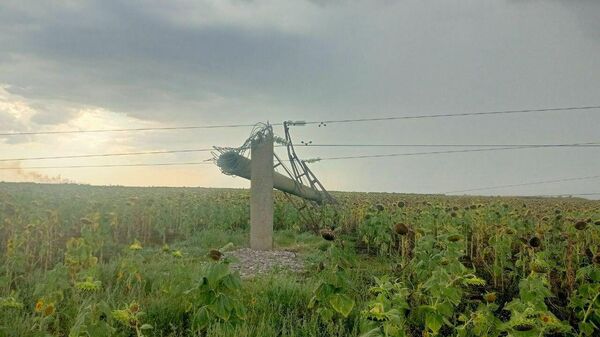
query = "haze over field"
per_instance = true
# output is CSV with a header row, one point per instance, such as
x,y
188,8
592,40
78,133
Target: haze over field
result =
x,y
123,64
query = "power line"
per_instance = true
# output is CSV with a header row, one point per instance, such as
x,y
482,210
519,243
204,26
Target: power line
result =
x,y
106,165
204,150
194,127
568,194
166,128
106,155
595,193
486,113
523,184
207,162
590,144
156,152
425,153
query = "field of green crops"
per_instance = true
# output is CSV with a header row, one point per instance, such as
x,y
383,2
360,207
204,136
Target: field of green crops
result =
x,y
115,261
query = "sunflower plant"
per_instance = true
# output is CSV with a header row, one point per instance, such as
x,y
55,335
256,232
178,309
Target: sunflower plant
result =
x,y
385,315
216,297
91,320
331,297
376,230
131,319
529,314
586,301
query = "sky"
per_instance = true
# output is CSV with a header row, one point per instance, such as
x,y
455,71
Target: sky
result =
x,y
67,64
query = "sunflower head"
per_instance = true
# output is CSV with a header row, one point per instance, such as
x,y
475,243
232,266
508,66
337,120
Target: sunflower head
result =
x,y
401,229
177,254
535,242
39,305
134,307
328,235
215,254
136,245
490,297
89,285
580,225
49,310
454,237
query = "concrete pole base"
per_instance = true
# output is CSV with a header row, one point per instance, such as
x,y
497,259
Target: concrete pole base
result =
x,y
261,192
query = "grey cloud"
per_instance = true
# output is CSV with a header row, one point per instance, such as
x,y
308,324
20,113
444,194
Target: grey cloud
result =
x,y
119,56
54,113
588,16
132,63
10,123
586,13
339,59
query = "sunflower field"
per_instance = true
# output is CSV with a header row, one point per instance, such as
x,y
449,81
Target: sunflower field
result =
x,y
79,260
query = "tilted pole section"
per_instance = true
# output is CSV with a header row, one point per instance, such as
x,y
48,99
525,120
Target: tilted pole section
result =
x,y
233,163
263,178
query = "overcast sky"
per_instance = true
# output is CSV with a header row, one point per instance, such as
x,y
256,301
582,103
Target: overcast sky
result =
x,y
67,64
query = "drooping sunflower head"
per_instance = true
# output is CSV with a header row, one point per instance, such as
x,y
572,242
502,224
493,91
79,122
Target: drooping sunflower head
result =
x,y
328,235
401,229
535,242
49,310
580,225
490,297
215,254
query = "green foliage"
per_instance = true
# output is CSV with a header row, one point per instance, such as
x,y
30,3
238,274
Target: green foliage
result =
x,y
216,297
10,302
91,320
586,301
331,297
79,256
385,315
375,232
130,317
83,261
529,314
88,285
480,323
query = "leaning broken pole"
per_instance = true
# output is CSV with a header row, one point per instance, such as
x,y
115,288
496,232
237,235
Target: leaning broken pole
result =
x,y
260,170
235,164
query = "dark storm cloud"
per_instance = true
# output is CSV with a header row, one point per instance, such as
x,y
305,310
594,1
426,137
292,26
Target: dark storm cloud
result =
x,y
114,55
124,56
209,61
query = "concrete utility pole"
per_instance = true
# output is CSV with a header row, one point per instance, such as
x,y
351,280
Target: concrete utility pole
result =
x,y
261,192
263,178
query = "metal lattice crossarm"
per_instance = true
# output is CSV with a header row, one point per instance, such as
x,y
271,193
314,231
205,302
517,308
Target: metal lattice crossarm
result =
x,y
301,173
299,181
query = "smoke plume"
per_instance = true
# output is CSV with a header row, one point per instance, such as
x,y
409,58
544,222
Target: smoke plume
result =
x,y
13,171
